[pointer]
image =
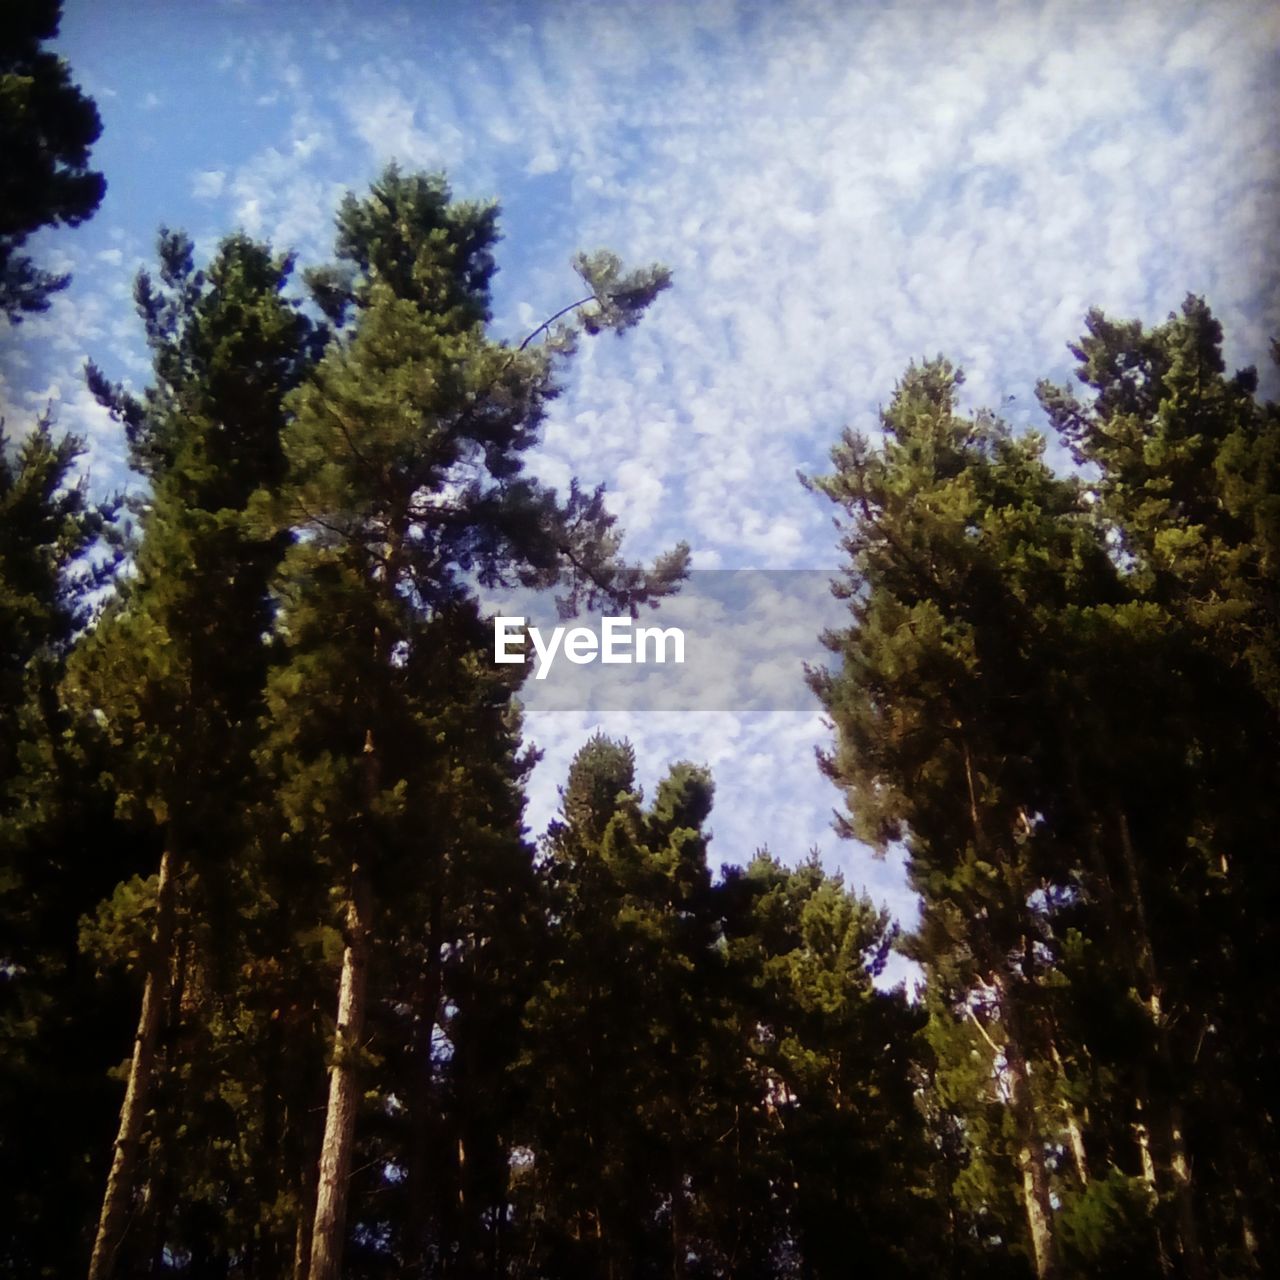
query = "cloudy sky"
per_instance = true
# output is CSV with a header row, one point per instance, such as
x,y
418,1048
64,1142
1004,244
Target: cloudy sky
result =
x,y
837,187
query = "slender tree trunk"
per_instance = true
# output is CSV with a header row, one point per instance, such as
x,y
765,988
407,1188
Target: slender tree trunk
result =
x,y
1032,1164
679,1222
1179,1162
302,1234
1180,1168
181,1013
1075,1136
1132,937
328,1235
1031,1157
124,1161
1150,1175
429,990
1075,1133
463,1231
1142,1138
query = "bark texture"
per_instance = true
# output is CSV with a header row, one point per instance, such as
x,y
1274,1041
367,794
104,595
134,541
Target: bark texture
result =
x,y
328,1235
133,1111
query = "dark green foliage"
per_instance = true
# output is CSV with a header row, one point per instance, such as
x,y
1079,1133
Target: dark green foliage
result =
x,y
406,481
175,673
48,527
589,1056
61,852
46,129
740,1098
1059,695
1105,1228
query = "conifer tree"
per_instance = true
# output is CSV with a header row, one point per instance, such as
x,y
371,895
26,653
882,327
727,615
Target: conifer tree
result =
x,y
617,1128
741,1098
958,535
60,852
840,1148
47,126
449,979
1058,694
407,484
175,669
1188,475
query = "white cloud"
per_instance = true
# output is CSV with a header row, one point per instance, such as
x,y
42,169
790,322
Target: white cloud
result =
x,y
838,188
209,184
545,161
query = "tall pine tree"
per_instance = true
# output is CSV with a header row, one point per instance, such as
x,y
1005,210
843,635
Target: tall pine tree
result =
x,y
175,670
407,486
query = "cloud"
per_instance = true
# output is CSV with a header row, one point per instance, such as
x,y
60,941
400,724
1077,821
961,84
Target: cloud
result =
x,y
209,184
844,190
838,189
545,161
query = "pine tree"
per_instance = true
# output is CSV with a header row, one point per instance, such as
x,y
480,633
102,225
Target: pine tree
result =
x,y
406,485
47,126
958,538
617,1130
1058,694
449,979
175,669
840,1163
60,851
740,1100
1188,480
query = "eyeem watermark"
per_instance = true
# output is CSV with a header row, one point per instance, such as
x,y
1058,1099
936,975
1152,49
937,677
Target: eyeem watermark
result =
x,y
619,641
737,640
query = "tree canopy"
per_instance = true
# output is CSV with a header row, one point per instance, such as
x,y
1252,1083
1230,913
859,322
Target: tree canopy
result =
x,y
289,988
47,127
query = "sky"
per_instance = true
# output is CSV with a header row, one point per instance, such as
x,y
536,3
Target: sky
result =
x,y
838,189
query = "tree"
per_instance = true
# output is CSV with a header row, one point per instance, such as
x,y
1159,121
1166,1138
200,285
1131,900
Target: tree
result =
x,y
1058,694
406,485
1188,473
617,1131
740,1099
449,978
960,540
46,129
49,526
839,1158
61,850
175,669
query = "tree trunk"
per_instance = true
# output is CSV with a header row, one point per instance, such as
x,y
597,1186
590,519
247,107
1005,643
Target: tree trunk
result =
x,y
679,1222
1075,1133
328,1235
302,1235
1122,937
1075,1136
1179,1162
1142,1137
1032,1165
428,1001
115,1201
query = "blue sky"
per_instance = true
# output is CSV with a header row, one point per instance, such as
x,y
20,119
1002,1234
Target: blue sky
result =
x,y
838,188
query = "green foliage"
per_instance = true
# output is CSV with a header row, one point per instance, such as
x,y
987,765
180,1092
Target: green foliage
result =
x,y
1057,694
1106,1228
740,1099
593,1057
46,129
60,853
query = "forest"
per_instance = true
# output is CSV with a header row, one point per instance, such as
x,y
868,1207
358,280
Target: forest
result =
x,y
288,989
